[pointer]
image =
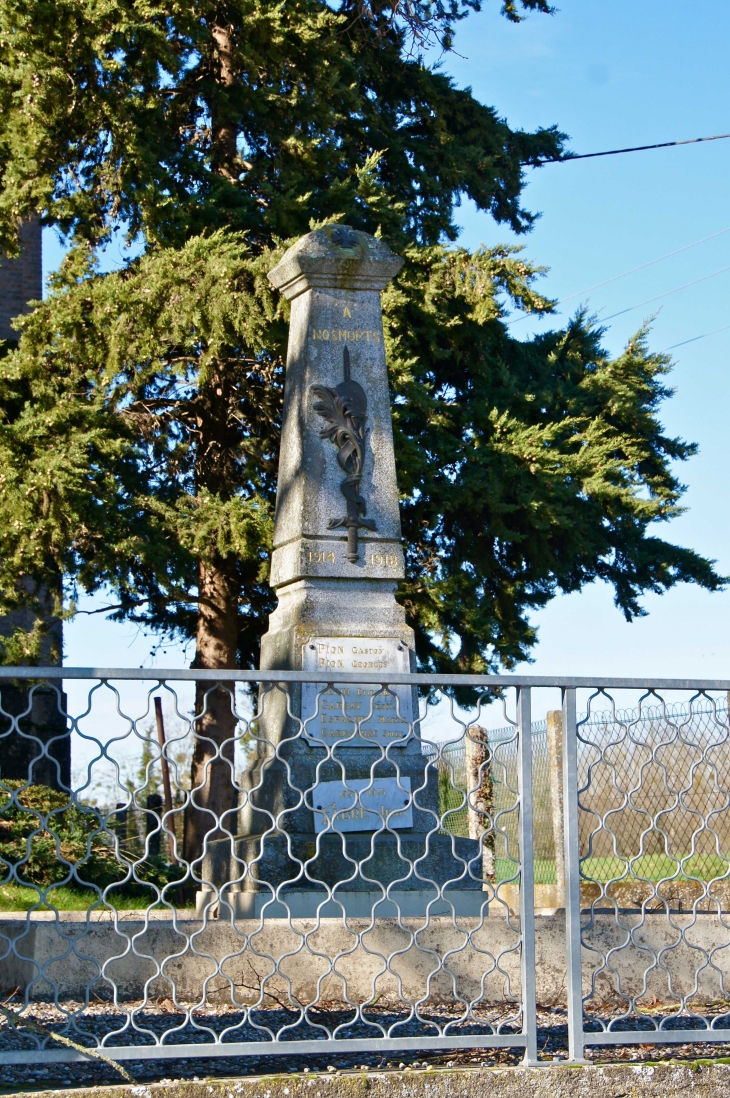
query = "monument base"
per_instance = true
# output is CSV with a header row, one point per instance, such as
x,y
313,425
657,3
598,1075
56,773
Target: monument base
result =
x,y
409,862
308,904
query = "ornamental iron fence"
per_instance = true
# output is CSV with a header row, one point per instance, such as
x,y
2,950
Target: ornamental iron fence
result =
x,y
293,862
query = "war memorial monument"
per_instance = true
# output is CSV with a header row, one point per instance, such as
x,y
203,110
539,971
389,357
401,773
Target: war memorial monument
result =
x,y
339,805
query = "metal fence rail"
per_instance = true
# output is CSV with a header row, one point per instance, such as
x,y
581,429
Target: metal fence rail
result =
x,y
292,862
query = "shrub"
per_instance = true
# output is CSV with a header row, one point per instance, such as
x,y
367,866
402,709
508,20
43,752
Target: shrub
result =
x,y
46,839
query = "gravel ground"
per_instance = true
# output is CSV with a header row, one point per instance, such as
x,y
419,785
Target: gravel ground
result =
x,y
552,1046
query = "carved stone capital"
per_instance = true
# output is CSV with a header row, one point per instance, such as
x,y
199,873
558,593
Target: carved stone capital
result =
x,y
335,257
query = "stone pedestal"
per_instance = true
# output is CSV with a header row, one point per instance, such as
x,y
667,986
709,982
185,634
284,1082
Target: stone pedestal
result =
x,y
336,564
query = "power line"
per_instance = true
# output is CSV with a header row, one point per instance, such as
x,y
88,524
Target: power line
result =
x,y
615,278
667,294
633,149
643,265
695,338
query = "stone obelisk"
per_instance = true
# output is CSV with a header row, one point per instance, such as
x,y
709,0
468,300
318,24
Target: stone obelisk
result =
x,y
337,541
335,568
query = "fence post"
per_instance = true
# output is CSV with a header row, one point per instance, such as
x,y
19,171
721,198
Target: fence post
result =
x,y
555,777
165,767
527,875
572,878
480,798
120,823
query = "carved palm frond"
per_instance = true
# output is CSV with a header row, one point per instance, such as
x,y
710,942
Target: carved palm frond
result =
x,y
344,411
341,429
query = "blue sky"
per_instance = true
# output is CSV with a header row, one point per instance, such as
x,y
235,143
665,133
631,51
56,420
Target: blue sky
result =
x,y
609,75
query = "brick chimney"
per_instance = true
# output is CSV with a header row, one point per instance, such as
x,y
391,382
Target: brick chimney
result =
x,y
21,280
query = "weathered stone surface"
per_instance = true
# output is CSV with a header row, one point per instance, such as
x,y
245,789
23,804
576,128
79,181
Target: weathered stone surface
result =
x,y
385,716
333,588
279,789
330,589
334,276
21,279
277,858
312,608
335,257
705,1079
40,709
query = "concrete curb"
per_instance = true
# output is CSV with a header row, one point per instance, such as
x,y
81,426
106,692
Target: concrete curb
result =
x,y
708,1079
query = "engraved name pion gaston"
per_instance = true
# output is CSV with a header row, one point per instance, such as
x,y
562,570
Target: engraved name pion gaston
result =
x,y
354,712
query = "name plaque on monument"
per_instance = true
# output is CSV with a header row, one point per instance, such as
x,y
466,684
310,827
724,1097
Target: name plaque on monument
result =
x,y
336,714
338,806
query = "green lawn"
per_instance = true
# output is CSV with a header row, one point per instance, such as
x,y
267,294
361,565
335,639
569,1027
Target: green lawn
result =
x,y
655,867
16,898
544,870
650,867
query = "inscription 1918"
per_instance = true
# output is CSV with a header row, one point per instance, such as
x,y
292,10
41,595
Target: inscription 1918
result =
x,y
322,556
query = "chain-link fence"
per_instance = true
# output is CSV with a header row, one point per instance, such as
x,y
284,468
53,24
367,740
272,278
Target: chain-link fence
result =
x,y
455,811
634,766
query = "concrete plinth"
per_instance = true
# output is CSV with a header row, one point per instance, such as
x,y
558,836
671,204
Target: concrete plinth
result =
x,y
397,959
710,1080
309,904
353,863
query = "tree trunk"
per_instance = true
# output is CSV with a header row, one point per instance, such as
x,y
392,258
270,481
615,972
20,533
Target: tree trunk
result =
x,y
212,812
214,801
225,129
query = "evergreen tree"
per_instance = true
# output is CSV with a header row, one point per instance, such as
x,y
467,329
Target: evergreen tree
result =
x,y
139,415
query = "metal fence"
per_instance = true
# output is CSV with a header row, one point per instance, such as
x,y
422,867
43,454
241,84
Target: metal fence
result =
x,y
604,730
287,862
453,804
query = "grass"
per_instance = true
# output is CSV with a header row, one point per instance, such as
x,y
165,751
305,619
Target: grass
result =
x,y
544,871
649,867
15,897
655,867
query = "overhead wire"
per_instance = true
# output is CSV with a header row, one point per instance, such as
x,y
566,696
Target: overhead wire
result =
x,y
658,297
615,278
633,149
651,262
695,338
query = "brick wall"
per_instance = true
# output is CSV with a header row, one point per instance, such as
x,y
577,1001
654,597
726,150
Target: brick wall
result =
x,y
21,280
